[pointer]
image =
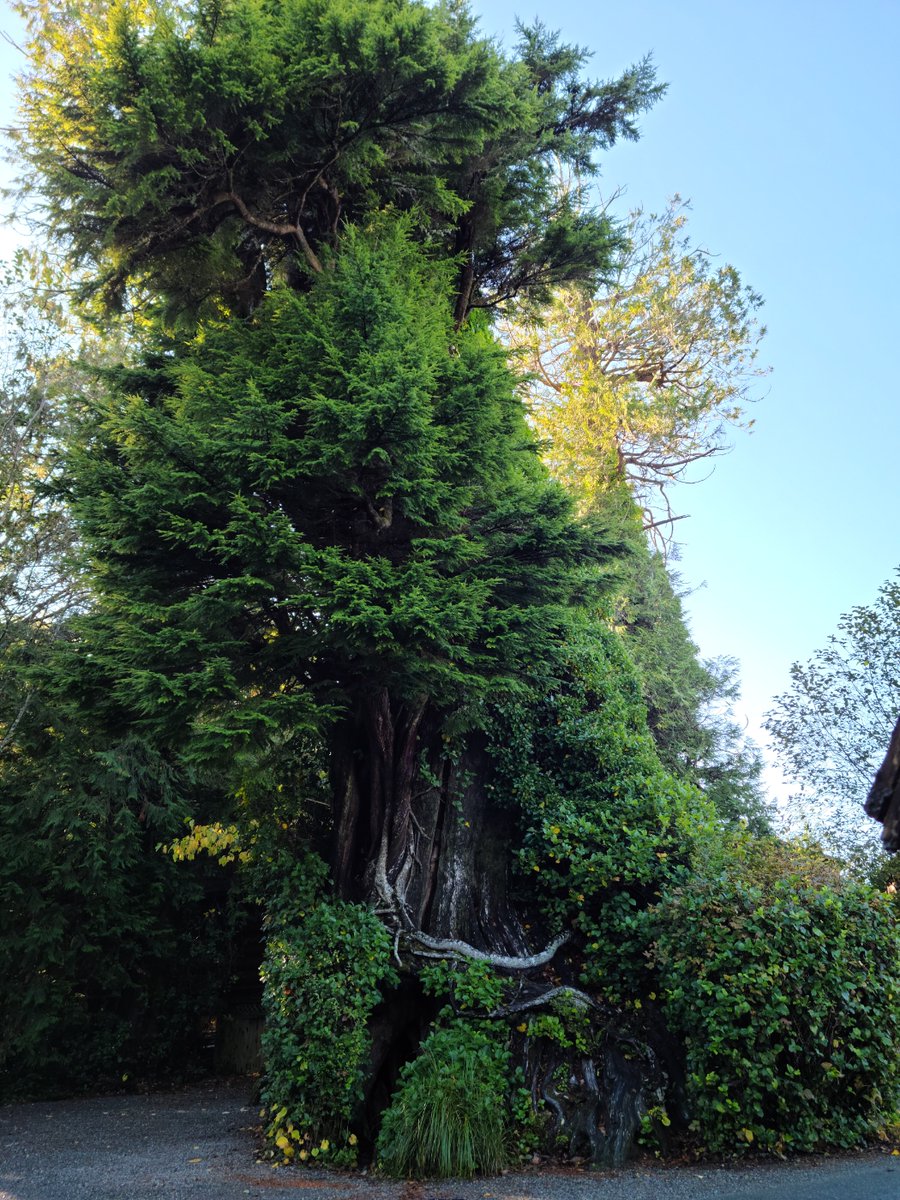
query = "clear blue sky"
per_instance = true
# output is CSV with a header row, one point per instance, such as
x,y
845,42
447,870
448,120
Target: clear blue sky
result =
x,y
782,125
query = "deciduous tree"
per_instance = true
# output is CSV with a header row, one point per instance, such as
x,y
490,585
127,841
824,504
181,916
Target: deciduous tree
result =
x,y
639,381
831,728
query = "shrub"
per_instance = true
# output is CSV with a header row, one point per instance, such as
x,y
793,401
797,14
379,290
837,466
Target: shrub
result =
x,y
786,991
110,956
322,978
448,1117
605,829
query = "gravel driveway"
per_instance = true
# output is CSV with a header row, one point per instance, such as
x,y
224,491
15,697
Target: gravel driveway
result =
x,y
198,1144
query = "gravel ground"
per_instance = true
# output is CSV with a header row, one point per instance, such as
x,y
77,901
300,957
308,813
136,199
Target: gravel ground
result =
x,y
198,1144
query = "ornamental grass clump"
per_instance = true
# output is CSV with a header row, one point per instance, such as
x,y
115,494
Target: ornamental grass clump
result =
x,y
449,1116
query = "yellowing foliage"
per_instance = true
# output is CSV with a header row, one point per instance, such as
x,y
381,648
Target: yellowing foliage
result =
x,y
636,383
222,842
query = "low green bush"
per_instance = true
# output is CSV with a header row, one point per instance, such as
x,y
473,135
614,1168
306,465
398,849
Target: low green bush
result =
x,y
449,1117
111,957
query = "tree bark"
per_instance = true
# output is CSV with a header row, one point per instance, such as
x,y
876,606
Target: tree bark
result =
x,y
415,834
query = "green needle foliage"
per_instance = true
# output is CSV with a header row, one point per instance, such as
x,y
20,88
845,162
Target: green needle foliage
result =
x,y
688,698
200,150
339,491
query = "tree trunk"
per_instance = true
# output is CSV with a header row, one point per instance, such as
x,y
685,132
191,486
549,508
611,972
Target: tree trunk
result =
x,y
415,834
420,839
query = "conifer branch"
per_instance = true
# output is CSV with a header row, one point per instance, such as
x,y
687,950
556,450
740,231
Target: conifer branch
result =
x,y
278,228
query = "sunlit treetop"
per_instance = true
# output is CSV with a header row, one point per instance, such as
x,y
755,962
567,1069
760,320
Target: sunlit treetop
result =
x,y
197,152
640,380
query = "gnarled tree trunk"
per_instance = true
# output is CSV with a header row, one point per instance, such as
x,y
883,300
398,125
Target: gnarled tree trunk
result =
x,y
421,839
415,833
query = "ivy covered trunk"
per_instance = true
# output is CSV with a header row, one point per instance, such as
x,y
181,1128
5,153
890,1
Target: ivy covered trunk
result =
x,y
472,858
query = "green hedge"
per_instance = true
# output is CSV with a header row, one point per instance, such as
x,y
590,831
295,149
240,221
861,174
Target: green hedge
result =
x,y
786,991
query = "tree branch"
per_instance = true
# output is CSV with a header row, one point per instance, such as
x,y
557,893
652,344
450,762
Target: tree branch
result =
x,y
279,229
11,731
579,999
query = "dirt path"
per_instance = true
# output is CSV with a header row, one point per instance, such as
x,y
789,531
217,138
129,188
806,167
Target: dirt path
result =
x,y
198,1145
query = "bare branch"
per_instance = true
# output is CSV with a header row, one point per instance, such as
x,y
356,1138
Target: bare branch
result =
x,y
11,731
278,228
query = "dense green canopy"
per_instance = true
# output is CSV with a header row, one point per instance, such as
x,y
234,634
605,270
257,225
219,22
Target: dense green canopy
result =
x,y
342,621
192,149
336,497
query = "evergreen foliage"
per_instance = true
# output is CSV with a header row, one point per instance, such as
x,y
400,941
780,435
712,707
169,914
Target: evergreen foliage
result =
x,y
340,610
166,149
331,494
327,966
111,957
688,698
605,827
